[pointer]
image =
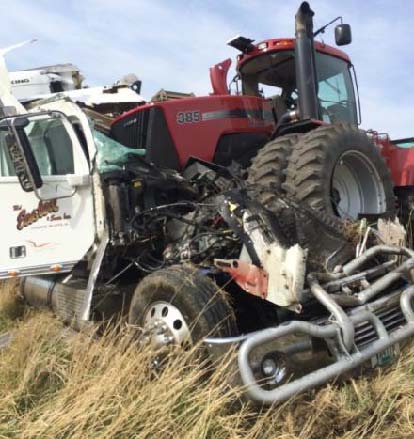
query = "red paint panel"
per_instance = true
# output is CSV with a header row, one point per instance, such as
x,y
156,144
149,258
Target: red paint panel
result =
x,y
280,44
218,77
219,115
400,162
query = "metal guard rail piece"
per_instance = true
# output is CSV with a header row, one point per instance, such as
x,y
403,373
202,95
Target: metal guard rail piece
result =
x,y
321,376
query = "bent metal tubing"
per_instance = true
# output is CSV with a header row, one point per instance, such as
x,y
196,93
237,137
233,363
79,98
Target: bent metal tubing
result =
x,y
385,281
321,376
332,302
343,320
352,266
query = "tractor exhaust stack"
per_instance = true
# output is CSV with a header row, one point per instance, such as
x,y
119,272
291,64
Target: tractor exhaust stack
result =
x,y
306,80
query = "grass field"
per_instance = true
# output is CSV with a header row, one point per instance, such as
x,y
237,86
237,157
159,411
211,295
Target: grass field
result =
x,y
55,384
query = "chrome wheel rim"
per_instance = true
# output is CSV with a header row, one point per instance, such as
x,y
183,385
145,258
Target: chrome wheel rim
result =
x,y
164,324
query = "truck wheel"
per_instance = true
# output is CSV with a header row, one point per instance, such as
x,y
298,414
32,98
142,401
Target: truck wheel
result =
x,y
178,305
267,168
338,169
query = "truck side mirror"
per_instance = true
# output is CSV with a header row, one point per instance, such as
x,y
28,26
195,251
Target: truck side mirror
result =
x,y
343,34
20,153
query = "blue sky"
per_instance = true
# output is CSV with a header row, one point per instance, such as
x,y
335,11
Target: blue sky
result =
x,y
171,44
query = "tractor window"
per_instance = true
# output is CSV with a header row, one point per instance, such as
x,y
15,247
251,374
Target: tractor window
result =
x,y
272,76
335,90
269,74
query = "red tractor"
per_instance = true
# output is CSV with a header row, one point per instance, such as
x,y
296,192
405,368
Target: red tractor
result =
x,y
293,122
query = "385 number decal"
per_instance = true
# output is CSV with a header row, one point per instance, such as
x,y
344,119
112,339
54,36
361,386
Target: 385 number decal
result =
x,y
188,117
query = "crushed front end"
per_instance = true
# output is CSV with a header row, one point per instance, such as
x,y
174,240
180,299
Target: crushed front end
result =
x,y
314,297
329,322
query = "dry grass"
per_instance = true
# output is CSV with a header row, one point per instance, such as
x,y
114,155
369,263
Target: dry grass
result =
x,y
57,386
11,307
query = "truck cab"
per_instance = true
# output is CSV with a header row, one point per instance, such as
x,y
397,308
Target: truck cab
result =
x,y
49,216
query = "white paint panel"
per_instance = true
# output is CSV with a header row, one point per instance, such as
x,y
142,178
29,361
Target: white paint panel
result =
x,y
52,232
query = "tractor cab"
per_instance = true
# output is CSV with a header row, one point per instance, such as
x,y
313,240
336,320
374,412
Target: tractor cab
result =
x,y
299,79
268,71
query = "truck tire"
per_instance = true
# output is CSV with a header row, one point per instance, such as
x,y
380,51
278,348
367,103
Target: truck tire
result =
x,y
267,168
337,169
178,305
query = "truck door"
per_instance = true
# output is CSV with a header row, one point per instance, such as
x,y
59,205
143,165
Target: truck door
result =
x,y
46,198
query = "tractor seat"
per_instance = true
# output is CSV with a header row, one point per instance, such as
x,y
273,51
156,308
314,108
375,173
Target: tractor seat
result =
x,y
279,107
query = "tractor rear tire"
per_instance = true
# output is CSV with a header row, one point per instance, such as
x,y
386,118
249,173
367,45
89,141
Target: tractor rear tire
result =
x,y
338,170
187,304
267,168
